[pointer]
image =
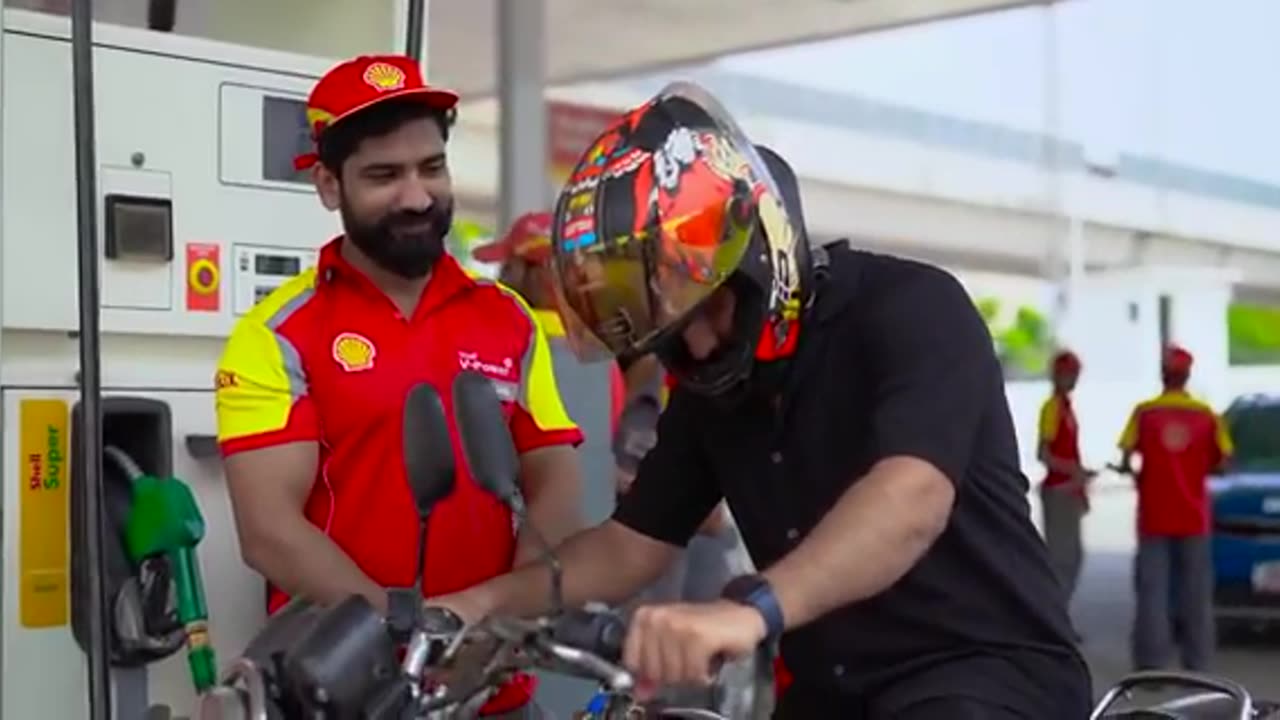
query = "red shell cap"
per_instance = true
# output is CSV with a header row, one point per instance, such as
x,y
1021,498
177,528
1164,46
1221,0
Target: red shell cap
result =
x,y
529,239
1065,362
361,83
1177,359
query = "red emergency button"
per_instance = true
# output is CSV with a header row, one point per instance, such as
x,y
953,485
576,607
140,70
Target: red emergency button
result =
x,y
204,277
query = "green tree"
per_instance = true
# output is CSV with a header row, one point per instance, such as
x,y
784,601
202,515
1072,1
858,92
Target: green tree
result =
x,y
1253,333
1027,343
1024,345
989,308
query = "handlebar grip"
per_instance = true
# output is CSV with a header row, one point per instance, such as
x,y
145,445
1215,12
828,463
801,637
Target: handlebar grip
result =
x,y
601,633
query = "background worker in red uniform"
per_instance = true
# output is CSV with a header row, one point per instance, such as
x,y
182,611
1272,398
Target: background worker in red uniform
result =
x,y
1181,440
312,383
1063,494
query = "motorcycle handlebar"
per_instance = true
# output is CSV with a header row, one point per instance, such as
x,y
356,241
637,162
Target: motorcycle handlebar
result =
x,y
600,633
585,642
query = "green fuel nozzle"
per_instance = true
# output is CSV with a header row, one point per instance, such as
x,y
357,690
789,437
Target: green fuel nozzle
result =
x,y
165,521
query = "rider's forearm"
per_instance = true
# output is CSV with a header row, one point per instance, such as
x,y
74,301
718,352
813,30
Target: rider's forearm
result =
x,y
875,533
608,563
302,561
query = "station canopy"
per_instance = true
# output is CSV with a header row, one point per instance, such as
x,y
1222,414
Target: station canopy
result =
x,y
596,39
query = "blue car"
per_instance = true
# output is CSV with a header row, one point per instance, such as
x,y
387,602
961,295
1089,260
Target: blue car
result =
x,y
1246,518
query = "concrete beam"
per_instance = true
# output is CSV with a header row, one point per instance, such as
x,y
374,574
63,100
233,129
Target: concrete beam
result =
x,y
587,39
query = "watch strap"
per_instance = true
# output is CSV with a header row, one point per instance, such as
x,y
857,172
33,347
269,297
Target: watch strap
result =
x,y
754,591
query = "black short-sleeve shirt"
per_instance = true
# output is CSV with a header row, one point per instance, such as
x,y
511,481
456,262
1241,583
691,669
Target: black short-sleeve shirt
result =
x,y
894,360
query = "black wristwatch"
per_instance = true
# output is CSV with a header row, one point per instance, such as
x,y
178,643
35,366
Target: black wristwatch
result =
x,y
756,592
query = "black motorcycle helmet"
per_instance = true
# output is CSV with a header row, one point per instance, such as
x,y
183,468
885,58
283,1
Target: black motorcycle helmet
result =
x,y
666,206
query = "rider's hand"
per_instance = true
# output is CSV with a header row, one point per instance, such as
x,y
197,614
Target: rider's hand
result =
x,y
679,643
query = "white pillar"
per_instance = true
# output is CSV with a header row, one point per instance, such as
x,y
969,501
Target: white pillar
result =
x,y
522,109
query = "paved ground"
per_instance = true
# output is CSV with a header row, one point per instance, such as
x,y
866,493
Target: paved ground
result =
x,y
1104,609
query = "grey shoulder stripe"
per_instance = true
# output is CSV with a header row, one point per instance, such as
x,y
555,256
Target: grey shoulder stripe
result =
x,y
290,307
294,369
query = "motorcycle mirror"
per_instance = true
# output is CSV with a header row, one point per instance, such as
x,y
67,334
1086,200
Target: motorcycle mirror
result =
x,y
491,455
428,452
486,442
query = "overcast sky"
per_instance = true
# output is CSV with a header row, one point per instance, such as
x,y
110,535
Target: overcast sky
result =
x,y
1193,81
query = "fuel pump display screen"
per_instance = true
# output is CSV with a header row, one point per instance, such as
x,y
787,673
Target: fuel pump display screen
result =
x,y
285,135
138,228
281,265
259,270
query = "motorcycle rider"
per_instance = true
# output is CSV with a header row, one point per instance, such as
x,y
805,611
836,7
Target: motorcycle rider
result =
x,y
1181,440
312,383
850,408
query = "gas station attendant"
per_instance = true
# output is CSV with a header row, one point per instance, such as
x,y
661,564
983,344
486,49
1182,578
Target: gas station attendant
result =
x,y
312,382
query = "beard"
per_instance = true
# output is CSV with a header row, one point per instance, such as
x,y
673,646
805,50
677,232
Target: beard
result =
x,y
405,243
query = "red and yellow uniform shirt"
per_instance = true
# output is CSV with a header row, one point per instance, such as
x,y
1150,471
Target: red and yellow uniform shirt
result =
x,y
328,358
1181,440
1061,434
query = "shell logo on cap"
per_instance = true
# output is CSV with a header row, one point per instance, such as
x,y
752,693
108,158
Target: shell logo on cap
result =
x,y
384,77
353,351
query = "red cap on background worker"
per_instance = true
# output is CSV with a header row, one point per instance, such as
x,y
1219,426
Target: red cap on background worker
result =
x,y
1175,367
528,238
1065,368
524,251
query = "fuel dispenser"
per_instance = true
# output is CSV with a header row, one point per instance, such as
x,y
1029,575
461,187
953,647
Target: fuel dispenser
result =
x,y
199,213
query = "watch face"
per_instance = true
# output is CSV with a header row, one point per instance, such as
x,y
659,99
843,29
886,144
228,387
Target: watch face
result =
x,y
755,591
742,587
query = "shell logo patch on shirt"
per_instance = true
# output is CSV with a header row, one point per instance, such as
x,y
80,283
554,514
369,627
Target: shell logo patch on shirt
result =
x,y
353,351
